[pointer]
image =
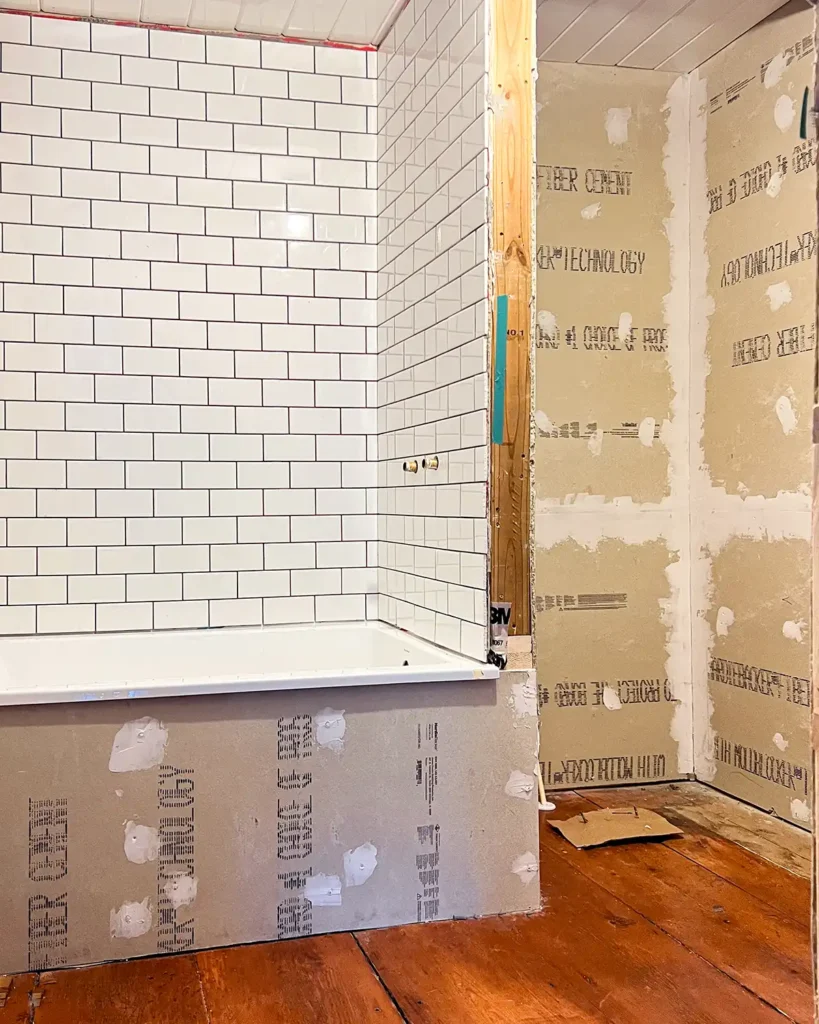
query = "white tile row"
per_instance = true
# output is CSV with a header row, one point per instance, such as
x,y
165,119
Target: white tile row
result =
x,y
100,38
308,157
433,319
184,614
197,428
95,344
46,225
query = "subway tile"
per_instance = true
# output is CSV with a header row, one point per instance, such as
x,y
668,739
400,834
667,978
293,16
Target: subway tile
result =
x,y
150,71
118,39
180,46
205,77
287,57
234,109
267,444
119,99
91,67
61,92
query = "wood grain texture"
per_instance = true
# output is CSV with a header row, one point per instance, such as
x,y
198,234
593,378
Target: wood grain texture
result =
x,y
512,48
749,941
693,930
702,809
158,991
814,629
304,981
16,1008
587,957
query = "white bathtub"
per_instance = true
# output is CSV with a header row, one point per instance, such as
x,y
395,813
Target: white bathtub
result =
x,y
123,666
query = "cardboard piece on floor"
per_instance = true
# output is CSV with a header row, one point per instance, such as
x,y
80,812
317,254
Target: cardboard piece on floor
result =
x,y
613,825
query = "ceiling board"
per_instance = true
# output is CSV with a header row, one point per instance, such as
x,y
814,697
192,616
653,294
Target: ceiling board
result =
x,y
590,26
554,18
66,7
677,32
166,12
356,22
313,18
264,17
630,32
670,35
720,34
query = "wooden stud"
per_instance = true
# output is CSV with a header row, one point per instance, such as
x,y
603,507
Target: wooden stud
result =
x,y
814,728
512,61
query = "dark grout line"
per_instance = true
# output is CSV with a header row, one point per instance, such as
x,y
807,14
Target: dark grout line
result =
x,y
381,981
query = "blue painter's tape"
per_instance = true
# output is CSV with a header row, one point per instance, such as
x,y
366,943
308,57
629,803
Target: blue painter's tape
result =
x,y
499,393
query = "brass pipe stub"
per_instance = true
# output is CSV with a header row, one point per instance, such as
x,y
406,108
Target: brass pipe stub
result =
x,y
431,463
411,466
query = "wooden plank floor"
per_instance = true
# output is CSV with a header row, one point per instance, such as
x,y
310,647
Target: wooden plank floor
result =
x,y
694,930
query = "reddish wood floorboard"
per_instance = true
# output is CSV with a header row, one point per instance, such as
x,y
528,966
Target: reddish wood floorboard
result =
x,y
306,981
17,1008
748,940
699,807
587,957
164,990
695,930
787,893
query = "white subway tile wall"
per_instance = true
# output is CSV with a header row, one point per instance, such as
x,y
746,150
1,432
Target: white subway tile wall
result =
x,y
188,383
433,244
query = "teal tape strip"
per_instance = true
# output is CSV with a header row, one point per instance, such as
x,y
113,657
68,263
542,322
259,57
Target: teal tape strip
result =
x,y
499,393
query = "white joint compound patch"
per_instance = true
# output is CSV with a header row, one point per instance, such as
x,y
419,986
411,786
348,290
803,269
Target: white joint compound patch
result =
x,y
131,920
141,843
520,785
542,422
794,630
525,867
547,322
646,431
523,698
780,742
785,414
138,746
800,810
591,212
617,119
359,864
784,112
323,890
775,70
330,729
610,699
779,295
181,890
775,184
725,619
595,443
676,610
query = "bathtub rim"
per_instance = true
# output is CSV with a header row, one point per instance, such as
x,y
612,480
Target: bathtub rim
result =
x,y
440,665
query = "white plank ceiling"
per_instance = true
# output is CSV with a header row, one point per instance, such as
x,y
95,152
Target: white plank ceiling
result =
x,y
361,22
667,35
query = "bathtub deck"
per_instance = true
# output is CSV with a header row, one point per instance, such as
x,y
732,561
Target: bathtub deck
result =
x,y
695,930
